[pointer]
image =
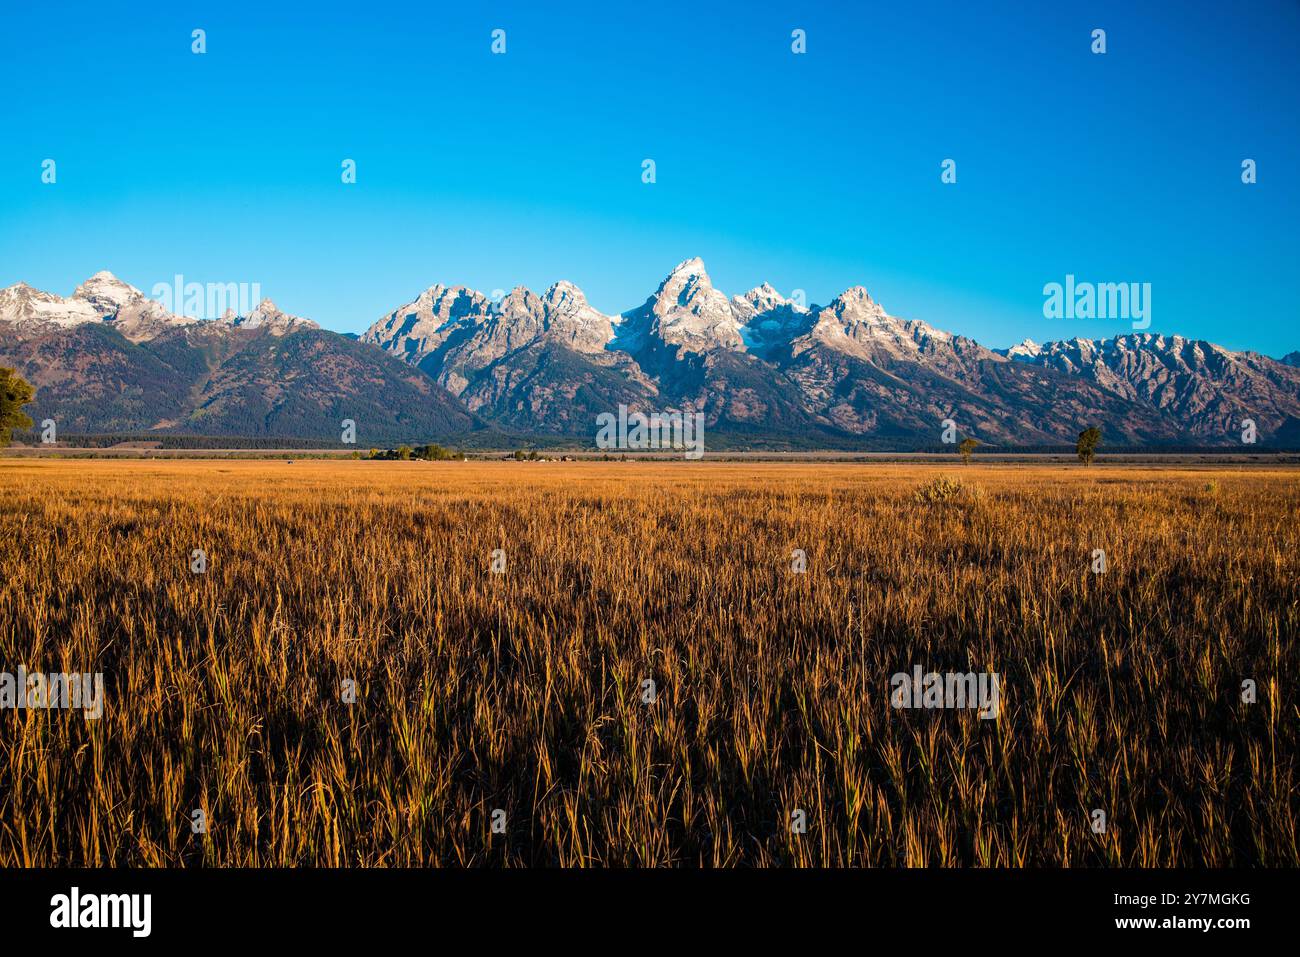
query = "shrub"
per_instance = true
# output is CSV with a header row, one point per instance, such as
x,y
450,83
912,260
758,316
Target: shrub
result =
x,y
944,489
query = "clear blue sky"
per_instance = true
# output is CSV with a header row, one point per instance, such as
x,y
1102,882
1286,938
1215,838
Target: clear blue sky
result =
x,y
818,171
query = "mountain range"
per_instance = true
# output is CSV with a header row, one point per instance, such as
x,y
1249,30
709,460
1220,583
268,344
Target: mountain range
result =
x,y
764,369
110,360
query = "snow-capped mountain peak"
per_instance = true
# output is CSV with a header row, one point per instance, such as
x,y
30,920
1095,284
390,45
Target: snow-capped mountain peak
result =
x,y
107,293
21,303
763,298
757,362
768,320
688,284
690,267
857,325
1027,349
564,292
101,298
687,312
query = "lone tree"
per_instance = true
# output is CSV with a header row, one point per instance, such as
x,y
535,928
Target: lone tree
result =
x,y
1089,439
966,448
14,394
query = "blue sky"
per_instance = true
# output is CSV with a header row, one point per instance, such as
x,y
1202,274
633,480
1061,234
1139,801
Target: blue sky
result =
x,y
816,171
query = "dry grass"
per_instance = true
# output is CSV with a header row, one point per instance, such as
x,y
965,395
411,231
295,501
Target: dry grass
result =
x,y
522,691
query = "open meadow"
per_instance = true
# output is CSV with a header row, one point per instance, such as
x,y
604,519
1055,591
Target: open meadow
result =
x,y
604,663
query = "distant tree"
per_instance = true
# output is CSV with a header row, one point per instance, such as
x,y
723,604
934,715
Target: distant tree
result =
x,y
404,453
1089,439
967,447
435,453
15,393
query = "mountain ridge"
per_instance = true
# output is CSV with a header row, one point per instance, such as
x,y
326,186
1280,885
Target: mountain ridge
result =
x,y
756,364
759,361
109,360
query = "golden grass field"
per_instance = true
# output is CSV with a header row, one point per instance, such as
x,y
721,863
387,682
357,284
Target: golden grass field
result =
x,y
522,691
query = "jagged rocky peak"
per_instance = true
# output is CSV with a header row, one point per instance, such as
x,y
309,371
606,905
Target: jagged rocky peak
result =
x,y
564,295
519,302
515,321
857,303
689,269
129,310
421,325
562,314
768,320
23,304
444,303
101,298
108,294
574,322
1025,350
764,298
441,303
1144,360
687,286
20,292
857,325
686,311
474,328
266,314
853,314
